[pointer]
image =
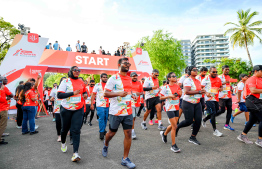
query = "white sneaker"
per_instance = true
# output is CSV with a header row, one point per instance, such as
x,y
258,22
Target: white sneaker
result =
x,y
217,133
63,148
19,127
143,125
36,127
133,135
76,157
204,123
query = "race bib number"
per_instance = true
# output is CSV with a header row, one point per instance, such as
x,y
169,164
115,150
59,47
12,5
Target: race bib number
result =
x,y
156,91
214,90
127,98
75,98
174,102
197,96
227,88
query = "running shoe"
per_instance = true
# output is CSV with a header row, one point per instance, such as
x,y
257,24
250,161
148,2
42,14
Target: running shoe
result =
x,y
63,148
3,142
156,121
19,127
34,132
133,135
259,142
127,162
161,127
232,118
53,119
254,125
217,133
89,123
76,157
151,122
5,134
59,139
192,125
227,127
244,139
164,138
84,120
204,123
236,110
193,140
36,127
175,148
25,133
105,150
143,125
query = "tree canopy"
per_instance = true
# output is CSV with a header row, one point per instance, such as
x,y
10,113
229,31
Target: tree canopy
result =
x,y
244,32
7,34
237,66
165,52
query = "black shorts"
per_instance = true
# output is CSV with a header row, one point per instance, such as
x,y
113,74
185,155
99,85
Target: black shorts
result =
x,y
152,102
171,114
114,122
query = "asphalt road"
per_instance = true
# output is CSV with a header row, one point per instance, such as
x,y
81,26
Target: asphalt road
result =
x,y
147,151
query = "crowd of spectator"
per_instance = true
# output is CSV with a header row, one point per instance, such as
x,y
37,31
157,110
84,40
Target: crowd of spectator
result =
x,y
121,51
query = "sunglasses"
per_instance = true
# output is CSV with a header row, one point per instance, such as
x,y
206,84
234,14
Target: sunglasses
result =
x,y
173,76
195,70
76,70
156,75
214,71
126,64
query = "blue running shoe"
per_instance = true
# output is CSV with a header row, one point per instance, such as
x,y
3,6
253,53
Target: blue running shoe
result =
x,y
127,162
232,118
105,150
254,125
227,127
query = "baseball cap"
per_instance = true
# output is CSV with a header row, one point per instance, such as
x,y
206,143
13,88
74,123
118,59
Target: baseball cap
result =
x,y
143,79
133,74
257,68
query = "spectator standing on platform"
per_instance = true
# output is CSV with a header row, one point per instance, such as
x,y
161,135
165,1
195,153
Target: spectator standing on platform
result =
x,y
84,48
78,46
115,54
69,49
123,51
108,53
49,46
56,45
100,50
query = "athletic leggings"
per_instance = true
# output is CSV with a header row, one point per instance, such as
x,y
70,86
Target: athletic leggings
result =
x,y
191,111
253,118
71,119
152,113
19,114
212,108
140,109
202,101
225,103
58,123
88,111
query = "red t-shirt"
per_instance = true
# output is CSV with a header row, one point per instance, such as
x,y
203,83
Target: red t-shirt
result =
x,y
142,97
175,88
227,77
216,84
137,87
3,102
28,95
253,82
78,84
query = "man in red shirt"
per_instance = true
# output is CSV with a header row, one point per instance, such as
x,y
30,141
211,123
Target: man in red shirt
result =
x,y
137,91
142,97
253,96
90,88
212,85
5,95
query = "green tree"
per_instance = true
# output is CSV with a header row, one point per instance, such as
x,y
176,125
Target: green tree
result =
x,y
165,52
236,65
7,34
244,32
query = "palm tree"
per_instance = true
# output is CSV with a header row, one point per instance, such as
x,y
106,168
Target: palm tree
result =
x,y
244,32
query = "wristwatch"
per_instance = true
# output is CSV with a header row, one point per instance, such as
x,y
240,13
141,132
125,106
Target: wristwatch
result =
x,y
199,91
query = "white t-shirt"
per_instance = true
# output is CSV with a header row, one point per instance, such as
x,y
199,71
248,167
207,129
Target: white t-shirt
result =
x,y
101,101
240,88
78,46
150,82
120,106
46,95
170,104
194,84
57,101
181,80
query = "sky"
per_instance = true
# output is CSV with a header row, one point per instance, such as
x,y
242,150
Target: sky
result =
x,y
109,23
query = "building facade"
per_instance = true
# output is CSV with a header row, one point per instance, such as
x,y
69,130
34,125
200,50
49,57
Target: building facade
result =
x,y
186,48
208,47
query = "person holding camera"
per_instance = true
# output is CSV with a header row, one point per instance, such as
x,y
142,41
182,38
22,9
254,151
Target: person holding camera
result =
x,y
253,95
191,104
72,91
171,93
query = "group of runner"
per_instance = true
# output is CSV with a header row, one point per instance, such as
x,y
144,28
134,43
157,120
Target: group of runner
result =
x,y
121,98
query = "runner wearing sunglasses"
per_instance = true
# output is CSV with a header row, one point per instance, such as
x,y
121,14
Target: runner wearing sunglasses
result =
x,y
151,88
191,104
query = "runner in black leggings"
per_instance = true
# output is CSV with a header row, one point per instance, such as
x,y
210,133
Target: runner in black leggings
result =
x,y
191,104
72,91
253,88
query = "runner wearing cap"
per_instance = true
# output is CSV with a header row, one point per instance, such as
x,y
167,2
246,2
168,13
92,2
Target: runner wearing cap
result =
x,y
137,91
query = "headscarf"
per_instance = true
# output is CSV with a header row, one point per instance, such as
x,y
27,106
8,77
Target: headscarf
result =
x,y
70,73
